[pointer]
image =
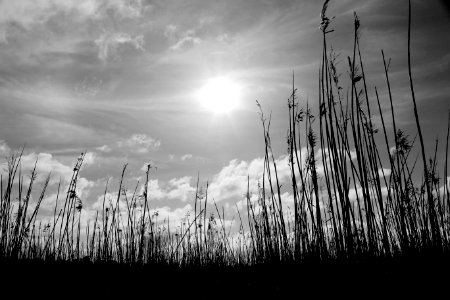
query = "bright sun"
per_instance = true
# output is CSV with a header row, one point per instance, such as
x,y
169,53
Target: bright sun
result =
x,y
220,95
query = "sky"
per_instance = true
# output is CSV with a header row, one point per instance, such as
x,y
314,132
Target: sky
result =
x,y
122,81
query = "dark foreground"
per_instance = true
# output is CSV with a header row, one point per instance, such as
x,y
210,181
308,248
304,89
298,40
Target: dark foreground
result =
x,y
358,279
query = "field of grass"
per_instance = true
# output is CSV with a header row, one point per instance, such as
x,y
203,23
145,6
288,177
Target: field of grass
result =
x,y
395,228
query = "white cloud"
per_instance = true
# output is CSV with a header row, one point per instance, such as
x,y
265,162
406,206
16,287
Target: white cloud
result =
x,y
186,41
442,188
30,12
145,166
181,39
358,192
186,157
353,154
4,148
177,189
104,148
387,172
46,164
231,182
110,198
175,216
140,143
89,158
109,42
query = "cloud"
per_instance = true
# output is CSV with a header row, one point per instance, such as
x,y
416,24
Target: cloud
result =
x,y
109,42
4,148
353,193
385,171
231,182
445,188
30,12
170,31
104,148
59,173
158,214
46,164
175,216
89,158
127,8
182,39
187,41
140,143
176,189
186,157
110,199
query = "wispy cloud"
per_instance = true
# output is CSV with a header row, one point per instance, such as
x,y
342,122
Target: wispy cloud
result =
x,y
186,157
186,41
109,43
104,148
139,143
30,12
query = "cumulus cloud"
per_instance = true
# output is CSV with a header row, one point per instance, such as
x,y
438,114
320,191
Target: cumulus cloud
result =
x,y
231,181
354,193
176,189
175,216
4,148
109,42
140,143
46,164
89,158
110,200
158,214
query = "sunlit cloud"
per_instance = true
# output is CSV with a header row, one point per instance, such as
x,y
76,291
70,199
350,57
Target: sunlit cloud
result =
x,y
139,143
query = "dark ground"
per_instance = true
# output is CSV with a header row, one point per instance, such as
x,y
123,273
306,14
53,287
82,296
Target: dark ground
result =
x,y
359,279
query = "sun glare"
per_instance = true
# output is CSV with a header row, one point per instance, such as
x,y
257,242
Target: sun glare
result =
x,y
220,95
